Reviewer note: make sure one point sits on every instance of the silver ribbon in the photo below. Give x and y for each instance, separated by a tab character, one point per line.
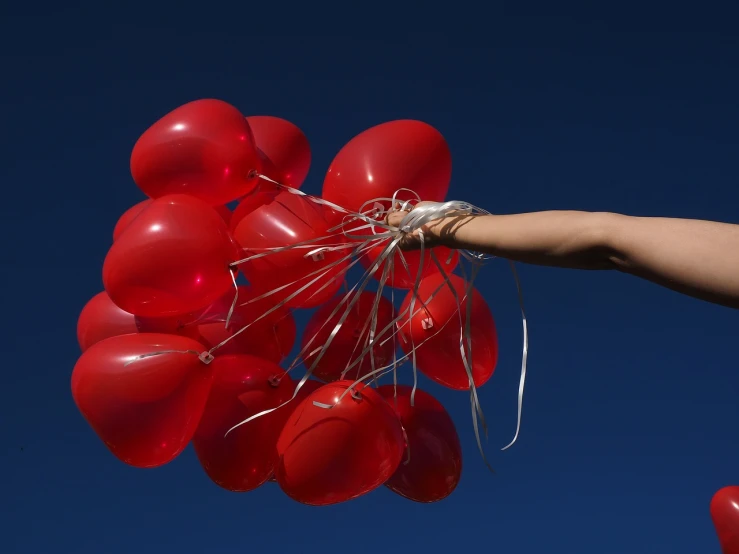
362	231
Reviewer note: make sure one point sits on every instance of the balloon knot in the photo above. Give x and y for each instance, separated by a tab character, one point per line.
206	357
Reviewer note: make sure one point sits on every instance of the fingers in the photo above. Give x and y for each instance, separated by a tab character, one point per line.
409	241
394	218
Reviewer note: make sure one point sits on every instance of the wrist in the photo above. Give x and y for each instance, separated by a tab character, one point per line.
446	231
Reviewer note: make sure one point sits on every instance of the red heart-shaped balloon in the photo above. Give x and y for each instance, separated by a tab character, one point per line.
242	387
277	219
435	465
284	145
204	148
146	409
327	456
434	330
403	154
172	259
725	515
349	343
270	337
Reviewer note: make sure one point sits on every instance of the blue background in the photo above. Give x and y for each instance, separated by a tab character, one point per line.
631	410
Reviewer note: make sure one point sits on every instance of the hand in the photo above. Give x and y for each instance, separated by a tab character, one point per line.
435	233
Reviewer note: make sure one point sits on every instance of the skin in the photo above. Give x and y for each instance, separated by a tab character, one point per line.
693	257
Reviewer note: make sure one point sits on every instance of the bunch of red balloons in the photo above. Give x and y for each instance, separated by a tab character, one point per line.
202	278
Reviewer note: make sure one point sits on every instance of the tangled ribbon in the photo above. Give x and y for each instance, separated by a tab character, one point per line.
368	229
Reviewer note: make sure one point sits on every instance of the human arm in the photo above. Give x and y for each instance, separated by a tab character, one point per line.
694	257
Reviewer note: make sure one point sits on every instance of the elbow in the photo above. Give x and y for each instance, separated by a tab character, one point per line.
611	232
603	230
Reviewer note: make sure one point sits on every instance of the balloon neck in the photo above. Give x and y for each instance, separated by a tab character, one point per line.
206	357
274	381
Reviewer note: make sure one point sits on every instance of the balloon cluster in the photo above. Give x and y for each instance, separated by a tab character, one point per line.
201	281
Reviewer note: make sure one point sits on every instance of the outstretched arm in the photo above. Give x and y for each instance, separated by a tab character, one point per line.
698	258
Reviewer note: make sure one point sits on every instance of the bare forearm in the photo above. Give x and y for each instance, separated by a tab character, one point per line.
699	258
558	238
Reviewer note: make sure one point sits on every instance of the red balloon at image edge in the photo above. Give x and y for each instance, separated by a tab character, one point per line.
145	410
272	337
435	465
725	516
284	145
402	278
403	154
435	331
204	148
327	456
349	342
173	259
275	219
242	387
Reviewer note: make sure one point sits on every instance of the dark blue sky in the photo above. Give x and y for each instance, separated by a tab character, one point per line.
630	419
